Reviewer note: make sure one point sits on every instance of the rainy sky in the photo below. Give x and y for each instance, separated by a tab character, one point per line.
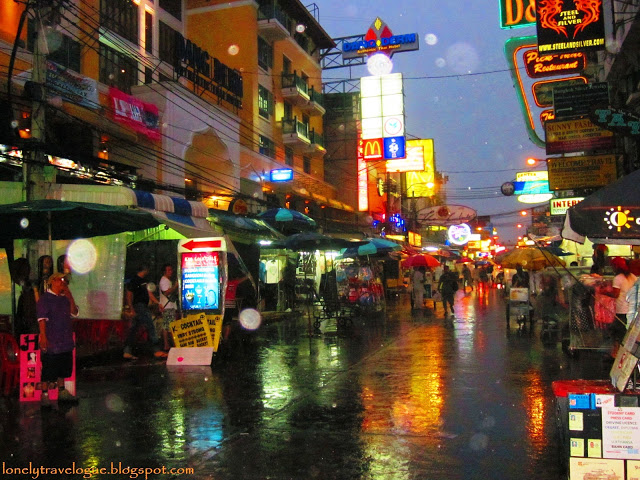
458	91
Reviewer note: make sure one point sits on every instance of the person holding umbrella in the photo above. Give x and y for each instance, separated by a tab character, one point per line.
417	282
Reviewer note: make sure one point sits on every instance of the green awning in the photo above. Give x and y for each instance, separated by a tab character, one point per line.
243	229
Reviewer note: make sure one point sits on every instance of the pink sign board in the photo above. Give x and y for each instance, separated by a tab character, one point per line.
31	372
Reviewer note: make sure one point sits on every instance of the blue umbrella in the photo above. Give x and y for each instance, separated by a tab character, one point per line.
372	247
288	220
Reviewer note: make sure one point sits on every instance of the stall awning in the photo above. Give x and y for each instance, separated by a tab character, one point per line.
243	229
185	217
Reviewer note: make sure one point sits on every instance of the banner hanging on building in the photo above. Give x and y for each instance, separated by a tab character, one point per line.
140	116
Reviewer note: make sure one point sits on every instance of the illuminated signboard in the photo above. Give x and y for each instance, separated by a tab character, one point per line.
617	120
394	148
281	175
543	90
568	26
415	160
535	198
363	198
202	263
530	183
459	234
372	149
382	106
565	136
538	66
415	239
567	173
200	272
420	183
517	13
380	39
559	206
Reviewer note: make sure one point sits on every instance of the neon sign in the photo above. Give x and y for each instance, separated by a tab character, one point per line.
459	234
619	218
554	63
380	39
363	196
281	174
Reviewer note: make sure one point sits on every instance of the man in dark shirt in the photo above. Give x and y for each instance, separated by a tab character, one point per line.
448	287
520	279
138	296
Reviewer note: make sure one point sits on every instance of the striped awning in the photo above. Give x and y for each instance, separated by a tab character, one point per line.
184	216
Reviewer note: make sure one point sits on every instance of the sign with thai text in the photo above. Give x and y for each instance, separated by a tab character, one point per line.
140	116
538	66
568	173
567	26
565	136
380	39
559	206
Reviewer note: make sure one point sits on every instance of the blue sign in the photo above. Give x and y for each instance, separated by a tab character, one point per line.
394	148
531	187
281	175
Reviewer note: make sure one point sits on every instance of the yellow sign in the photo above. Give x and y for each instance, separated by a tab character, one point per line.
535	176
197	330
565	136
568	173
422	183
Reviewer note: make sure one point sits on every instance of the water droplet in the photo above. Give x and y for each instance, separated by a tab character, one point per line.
430	39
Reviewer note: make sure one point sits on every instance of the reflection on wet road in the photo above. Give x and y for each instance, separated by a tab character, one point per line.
404	396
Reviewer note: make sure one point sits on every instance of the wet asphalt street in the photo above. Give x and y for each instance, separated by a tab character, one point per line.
404	396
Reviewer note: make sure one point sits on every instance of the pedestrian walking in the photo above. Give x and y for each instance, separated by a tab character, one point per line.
55	308
448	286
466	278
138	297
168	302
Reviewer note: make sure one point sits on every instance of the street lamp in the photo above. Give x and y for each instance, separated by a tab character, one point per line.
533	161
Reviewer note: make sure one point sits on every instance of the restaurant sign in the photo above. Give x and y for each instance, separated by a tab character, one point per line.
565	136
568	173
553	63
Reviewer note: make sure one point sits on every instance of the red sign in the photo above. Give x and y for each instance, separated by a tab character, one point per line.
553	63
205	243
139	116
547	115
372	149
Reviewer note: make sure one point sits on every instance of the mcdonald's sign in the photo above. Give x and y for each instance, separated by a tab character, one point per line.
373	149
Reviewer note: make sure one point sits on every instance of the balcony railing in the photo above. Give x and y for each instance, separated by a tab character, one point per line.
274	12
293	80
316	139
294	126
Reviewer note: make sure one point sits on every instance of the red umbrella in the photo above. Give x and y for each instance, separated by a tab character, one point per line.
464	260
421	260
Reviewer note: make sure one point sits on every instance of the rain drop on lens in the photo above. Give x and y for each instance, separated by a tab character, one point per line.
233	49
430	39
24	223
